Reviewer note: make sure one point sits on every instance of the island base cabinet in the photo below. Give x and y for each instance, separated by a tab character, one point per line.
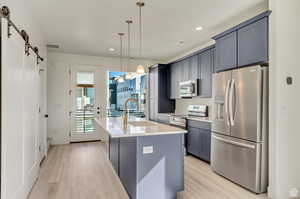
160	173
114	153
127	165
150	166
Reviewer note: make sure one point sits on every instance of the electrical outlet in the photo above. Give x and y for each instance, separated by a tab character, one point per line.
147	149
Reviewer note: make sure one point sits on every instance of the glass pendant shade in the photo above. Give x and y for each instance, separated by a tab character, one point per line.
121	80
140	69
128	76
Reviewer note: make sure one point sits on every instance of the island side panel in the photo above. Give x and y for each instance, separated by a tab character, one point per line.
128	165
160	173
114	149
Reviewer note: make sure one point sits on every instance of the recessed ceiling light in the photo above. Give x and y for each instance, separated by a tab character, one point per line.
111	49
199	28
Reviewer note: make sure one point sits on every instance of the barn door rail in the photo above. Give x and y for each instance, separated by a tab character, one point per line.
5	13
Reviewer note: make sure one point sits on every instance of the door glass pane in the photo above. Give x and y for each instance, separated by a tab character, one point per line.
85	100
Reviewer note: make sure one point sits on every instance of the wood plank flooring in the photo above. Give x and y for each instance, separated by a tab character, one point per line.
83	171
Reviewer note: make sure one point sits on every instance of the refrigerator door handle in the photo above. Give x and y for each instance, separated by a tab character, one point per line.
226	102
231	105
249	146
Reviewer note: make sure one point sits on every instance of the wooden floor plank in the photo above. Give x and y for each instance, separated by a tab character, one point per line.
83	171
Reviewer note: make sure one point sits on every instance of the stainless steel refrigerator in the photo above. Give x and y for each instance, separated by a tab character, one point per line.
239	148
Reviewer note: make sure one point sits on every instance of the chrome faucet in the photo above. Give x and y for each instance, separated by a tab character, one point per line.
125	117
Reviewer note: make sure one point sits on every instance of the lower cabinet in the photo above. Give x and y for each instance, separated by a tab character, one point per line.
199	140
149	166
114	153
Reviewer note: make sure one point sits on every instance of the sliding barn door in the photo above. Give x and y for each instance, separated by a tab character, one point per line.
19	120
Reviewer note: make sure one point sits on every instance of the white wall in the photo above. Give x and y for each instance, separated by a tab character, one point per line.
284	99
59	85
20	95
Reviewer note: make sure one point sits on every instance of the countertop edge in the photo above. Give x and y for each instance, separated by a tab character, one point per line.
183	131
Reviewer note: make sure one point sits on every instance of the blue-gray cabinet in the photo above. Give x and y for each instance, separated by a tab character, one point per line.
175	79
253	43
145	175
114	153
243	45
206	71
199	65
199	139
226	52
127	165
159	91
194	71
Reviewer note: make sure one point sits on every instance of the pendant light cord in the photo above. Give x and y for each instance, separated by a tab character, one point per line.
129	42
140	24
121	51
140	4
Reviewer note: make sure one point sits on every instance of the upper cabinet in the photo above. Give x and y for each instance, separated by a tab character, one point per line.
194	67
226	52
253	43
200	66
159	91
243	45
206	71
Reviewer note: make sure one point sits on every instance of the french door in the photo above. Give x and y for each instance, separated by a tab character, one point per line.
84	105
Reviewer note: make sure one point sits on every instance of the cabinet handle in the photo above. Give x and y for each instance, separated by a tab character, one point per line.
234	143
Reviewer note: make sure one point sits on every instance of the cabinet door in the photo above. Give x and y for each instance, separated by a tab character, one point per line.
128	170
151	109
194	67
253	43
178	78
206	74
226	52
213	56
184	67
193	145
114	153
205	141
152	94
173	81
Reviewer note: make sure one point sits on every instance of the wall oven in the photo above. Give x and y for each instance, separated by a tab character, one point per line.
189	88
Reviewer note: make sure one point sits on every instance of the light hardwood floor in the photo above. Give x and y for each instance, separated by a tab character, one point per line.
83	171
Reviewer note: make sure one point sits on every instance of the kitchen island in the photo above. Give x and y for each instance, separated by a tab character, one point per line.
147	156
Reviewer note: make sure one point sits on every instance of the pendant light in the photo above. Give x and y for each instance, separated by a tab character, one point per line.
128	75
140	68
121	78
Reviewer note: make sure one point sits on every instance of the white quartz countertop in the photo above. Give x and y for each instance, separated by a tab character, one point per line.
136	127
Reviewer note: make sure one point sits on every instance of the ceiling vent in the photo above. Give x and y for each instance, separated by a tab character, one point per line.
53	46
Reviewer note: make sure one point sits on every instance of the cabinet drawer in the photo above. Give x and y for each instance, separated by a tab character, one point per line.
199	124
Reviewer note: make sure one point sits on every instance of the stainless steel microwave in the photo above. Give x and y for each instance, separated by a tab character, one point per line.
188	88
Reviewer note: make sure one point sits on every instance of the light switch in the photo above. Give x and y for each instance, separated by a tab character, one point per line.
147	149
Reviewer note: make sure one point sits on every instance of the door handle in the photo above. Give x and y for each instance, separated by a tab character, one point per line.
232	86
226	102
249	146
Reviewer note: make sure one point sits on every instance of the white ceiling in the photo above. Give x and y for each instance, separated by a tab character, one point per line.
90	26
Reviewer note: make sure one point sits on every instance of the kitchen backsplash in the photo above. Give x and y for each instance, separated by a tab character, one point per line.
182	104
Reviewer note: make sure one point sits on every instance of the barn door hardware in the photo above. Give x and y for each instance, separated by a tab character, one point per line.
26	39
5	13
